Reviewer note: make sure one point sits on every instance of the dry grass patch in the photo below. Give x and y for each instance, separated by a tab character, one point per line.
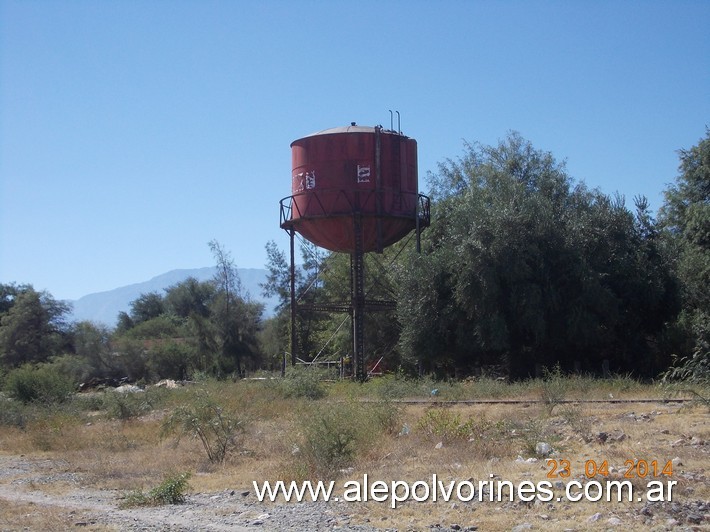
343	438
28	516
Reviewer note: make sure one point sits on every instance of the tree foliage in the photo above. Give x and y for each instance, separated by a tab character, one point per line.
685	216
33	325
524	266
235	316
210	327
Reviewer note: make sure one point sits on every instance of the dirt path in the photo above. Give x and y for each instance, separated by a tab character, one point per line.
40	485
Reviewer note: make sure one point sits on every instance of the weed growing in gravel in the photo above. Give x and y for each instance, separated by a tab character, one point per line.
554	387
580	424
170	491
530	433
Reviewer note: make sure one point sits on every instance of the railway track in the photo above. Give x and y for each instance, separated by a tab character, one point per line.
444	402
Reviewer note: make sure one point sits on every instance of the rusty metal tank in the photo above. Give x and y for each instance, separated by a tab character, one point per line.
353	182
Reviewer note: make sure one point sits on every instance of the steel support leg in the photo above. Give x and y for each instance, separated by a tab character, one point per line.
357	260
294	338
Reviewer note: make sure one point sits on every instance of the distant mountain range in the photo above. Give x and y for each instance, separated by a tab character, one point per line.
103	307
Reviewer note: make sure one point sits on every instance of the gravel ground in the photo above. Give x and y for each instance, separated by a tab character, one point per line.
50	484
23	480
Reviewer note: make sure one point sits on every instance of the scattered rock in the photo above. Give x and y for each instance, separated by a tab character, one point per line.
694	519
166	383
439	445
594	518
128	388
617	435
614	521
521	460
521	527
677	462
543	448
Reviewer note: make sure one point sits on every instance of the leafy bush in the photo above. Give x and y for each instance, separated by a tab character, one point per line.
126	405
12	414
396	387
304	383
334	434
131	358
76	368
696	367
217	429
554	387
123	406
170	360
170	491
529	433
445	424
41	383
163	326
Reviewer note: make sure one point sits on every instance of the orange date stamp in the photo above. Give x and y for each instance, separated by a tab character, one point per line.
633	468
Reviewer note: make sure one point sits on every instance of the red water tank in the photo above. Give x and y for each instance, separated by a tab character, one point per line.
353	177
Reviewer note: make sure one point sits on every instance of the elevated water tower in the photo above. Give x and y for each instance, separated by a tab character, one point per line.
354	190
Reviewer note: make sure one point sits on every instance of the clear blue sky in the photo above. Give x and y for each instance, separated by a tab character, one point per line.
133	132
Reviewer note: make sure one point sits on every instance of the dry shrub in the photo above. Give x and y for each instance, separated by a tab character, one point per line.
333	435
218	429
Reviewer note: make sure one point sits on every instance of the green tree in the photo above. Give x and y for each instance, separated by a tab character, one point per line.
189	298
522	266
92	344
33	328
192	301
146	307
278	278
311	325
685	216
236	318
